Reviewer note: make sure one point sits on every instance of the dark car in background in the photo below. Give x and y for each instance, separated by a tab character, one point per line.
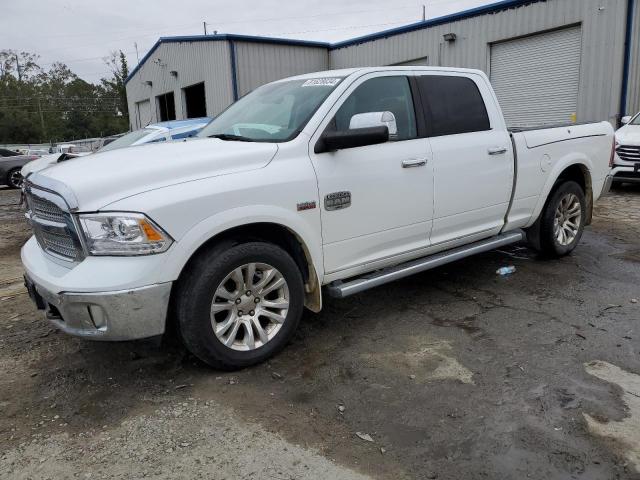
5	152
10	167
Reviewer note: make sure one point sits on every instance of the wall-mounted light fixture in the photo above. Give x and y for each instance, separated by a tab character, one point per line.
174	73
148	83
450	37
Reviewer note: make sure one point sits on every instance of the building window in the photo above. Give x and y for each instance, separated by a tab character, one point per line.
195	101
166	107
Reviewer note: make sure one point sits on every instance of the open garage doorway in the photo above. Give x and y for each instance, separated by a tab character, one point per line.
166	107
194	100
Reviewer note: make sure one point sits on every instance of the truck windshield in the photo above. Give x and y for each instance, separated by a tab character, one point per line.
276	112
635	120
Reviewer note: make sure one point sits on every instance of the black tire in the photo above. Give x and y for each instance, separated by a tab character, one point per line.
549	244
11	175
195	294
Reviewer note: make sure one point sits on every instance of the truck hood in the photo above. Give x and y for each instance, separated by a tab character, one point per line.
41	163
629	135
103	178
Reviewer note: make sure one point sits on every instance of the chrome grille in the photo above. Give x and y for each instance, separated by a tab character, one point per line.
52	224
629	153
60	244
46	210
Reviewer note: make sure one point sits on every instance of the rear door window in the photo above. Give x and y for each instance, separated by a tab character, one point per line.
452	105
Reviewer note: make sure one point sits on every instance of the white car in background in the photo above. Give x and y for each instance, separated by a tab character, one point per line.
36	151
155	133
626	167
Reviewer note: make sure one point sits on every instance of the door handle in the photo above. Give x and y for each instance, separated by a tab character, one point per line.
497	150
414	162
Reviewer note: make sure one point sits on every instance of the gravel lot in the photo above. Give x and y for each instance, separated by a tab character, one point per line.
453	374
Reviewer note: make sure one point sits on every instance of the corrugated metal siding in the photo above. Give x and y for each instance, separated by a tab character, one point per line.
633	95
260	63
195	63
418	62
544	88
601	63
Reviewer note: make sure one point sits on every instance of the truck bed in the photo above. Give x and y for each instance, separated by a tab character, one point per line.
541	154
545	127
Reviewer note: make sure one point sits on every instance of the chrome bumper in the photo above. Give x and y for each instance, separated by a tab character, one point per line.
109	316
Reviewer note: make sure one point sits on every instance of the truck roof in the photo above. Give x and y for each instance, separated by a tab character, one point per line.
363	70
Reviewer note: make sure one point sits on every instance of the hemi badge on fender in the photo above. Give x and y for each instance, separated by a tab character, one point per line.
306	206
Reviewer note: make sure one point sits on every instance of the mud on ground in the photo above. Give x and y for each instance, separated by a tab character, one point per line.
456	374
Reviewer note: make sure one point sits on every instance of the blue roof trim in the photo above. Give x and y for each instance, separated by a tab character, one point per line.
225	37
473	12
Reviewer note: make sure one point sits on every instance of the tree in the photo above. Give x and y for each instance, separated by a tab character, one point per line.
41	106
117	63
22	64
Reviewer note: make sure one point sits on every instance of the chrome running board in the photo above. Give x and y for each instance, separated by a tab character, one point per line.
342	289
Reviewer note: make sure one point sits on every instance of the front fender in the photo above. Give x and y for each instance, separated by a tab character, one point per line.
212	226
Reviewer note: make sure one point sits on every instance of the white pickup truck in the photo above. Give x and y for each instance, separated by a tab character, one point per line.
345	179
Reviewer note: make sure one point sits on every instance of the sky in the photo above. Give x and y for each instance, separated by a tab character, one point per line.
82	33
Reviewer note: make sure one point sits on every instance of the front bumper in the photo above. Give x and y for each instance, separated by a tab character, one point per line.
111	316
626	174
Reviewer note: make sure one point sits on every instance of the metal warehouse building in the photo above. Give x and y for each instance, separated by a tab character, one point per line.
549	61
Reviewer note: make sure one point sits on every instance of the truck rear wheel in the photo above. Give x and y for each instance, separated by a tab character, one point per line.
562	220
238	305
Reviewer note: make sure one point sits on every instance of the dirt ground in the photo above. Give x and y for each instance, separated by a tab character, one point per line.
456	373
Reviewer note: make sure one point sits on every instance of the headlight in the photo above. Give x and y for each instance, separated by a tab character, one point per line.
123	234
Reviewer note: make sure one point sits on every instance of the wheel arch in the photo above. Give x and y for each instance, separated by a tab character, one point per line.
272	232
579	173
575	169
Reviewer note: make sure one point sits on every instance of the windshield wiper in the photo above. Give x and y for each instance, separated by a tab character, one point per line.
231	137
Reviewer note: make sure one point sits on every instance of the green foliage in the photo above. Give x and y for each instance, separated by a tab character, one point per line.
42	106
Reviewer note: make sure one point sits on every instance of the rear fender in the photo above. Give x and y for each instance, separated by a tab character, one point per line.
559	168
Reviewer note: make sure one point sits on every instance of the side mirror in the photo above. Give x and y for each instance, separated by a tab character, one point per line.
375	119
360	137
625	120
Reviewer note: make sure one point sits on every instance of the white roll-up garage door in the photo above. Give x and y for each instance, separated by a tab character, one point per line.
537	78
144	113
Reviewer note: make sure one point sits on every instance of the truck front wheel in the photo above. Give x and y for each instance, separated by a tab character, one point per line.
238	305
563	219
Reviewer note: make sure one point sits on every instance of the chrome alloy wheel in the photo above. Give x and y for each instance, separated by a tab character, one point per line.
568	219
15	178
250	306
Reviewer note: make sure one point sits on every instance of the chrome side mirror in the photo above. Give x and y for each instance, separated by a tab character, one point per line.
375	119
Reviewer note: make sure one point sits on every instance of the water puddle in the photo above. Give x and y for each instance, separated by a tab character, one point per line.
625	434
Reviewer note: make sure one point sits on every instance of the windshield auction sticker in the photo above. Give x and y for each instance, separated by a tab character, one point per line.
321	82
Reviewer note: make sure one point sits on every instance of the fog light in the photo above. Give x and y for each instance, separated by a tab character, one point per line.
98	317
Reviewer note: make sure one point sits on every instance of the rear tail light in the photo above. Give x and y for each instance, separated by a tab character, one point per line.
613	153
